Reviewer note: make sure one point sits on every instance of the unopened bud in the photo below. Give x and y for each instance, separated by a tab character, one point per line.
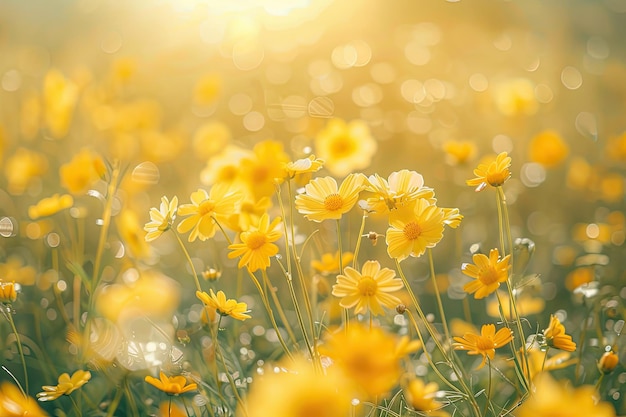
400	308
608	362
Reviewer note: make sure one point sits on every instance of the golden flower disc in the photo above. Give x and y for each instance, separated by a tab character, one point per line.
333	202
412	230
367	286
256	240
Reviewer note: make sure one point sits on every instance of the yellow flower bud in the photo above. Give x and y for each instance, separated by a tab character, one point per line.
608	362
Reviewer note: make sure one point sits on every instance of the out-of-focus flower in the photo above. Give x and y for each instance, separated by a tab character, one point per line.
410	234
612	187
167	409
303	166
256	245
161	146
209	139
172	385
579	174
225	307
225	166
161	220
485	343
608	362
488	273
50	205
22	168
13	403
548	148
83	170
323	200
211	274
345	147
247	213
59	98
459	152
368	357
130	231
555	336
264	169
303	393
14	270
122	70
66	386
494	173
616	147
526	305
403	188
578	277
329	263
422	397
538	362
515	97
207	89
8	294
206	209
551	398
369	289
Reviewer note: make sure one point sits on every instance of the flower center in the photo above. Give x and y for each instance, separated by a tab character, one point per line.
497	178
206	207
367	286
342	147
484	344
412	230
488	276
256	240
333	202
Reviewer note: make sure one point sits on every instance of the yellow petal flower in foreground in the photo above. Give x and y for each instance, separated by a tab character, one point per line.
495	173
345	147
256	245
226	307
422	397
551	398
555	336
402	188
368	357
161	220
485	343
412	233
299	391
205	209
323	199
369	289
488	273
173	385
7	292
50	205
66	386
14	404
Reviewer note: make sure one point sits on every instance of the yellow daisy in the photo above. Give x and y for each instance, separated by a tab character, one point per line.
345	147
411	233
555	336
323	199
173	385
485	343
161	220
50	205
205	209
66	386
264	169
401	189
303	166
256	245
422	397
488	273
495	173
8	294
226	307
368	289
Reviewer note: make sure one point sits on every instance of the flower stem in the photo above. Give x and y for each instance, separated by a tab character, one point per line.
115	403
193	269
9	317
439	303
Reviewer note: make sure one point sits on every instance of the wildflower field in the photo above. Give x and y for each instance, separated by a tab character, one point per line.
312	208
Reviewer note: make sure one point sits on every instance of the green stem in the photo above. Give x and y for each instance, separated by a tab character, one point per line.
115	403
438	296
488	399
18	341
358	241
346	313
279	308
76	409
193	269
231	381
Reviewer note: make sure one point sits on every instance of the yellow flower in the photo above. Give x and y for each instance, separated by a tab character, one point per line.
225	166
256	245
50	205
223	306
303	393
551	398
167	409
368	289
207	89
485	343
459	152
515	96
452	217
526	305
345	147
303	166
329	263
495	173
323	199
173	385
22	168
538	362
66	386
206	209
14	270
130	231
555	336
608	362
264	169
209	139
247	213
59	98
548	149
82	171
616	147
8	294
422	397
368	357
14	404
402	188
488	273
411	233
161	220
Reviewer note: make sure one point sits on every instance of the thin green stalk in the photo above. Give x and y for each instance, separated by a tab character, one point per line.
438	296
488	399
9	317
231	381
346	313
115	403
76	409
193	269
279	308
358	241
